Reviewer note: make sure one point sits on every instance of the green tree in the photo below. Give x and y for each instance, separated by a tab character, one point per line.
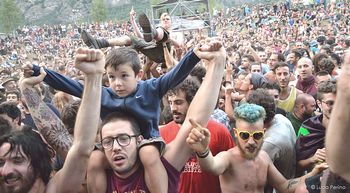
10	15
98	10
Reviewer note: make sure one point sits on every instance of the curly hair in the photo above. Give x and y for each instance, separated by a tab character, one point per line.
316	60
5	126
189	86
11	110
326	64
326	87
33	147
263	98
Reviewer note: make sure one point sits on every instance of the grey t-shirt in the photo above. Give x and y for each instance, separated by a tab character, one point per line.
279	144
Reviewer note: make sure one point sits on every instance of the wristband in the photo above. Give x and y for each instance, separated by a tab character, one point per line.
204	154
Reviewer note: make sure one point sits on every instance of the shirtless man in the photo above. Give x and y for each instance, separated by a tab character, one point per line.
243	168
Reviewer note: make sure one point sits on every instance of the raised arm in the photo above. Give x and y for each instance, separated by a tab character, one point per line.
72	175
49	125
169	59
179	73
133	23
55	80
337	142
202	104
198	140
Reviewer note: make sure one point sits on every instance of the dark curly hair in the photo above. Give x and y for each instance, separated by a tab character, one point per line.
326	87
263	98
11	110
5	126
316	60
33	147
189	86
326	64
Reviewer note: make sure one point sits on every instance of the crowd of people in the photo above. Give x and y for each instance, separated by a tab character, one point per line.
258	102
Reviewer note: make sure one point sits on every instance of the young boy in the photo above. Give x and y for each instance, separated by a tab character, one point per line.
127	93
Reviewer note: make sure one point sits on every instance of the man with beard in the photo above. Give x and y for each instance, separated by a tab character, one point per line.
25	159
193	177
311	136
288	93
292	60
279	138
304	108
243	168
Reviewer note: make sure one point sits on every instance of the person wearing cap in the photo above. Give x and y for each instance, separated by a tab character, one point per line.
4	74
314	47
10	84
252	81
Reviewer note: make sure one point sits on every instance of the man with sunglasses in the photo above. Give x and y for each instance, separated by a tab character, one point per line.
243	168
311	135
280	136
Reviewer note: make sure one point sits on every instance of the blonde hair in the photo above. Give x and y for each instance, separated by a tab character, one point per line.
164	15
61	99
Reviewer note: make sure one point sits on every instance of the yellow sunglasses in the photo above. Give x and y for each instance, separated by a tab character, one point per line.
245	135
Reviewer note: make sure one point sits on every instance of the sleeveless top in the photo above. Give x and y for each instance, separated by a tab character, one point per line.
288	103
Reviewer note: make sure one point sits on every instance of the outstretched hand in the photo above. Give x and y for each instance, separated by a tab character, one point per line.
90	61
32	80
132	14
199	137
320	155
319	168
27	69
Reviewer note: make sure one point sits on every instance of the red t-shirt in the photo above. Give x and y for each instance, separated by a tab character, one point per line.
193	179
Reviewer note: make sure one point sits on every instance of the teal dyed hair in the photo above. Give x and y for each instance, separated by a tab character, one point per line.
250	112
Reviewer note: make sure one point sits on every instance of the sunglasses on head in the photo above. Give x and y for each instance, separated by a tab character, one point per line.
245	135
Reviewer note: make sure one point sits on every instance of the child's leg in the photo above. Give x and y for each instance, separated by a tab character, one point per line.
155	173
96	175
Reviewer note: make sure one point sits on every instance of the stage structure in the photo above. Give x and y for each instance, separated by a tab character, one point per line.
186	15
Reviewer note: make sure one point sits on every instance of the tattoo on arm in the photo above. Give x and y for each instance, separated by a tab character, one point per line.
292	183
49	125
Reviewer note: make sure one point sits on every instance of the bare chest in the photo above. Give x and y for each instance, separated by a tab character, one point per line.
248	176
